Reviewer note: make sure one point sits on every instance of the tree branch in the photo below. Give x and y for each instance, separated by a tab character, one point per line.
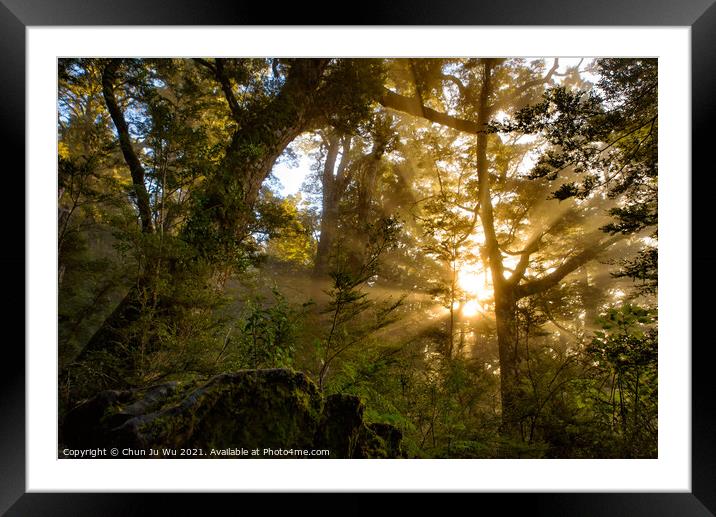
207	64
541	80
217	68
530	247
524	262
457	82
412	106
226	88
542	284
492	246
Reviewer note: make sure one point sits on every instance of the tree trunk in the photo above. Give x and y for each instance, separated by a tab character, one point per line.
329	220
505	298
329	208
130	156
259	142
507	339
109	337
226	210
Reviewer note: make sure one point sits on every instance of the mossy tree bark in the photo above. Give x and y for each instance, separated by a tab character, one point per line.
227	207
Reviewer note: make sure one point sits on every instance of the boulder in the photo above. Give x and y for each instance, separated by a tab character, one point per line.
245	410
344	432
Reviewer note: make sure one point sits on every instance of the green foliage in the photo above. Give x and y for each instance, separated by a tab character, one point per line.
625	351
266	334
290	226
351	315
644	268
179	302
351	86
628	339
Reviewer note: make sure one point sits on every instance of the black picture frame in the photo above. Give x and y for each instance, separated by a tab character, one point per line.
700	15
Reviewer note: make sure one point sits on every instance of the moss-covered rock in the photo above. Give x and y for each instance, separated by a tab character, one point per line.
343	431
341	425
391	437
249	409
92	423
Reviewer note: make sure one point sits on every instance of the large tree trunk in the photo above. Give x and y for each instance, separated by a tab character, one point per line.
262	136
329	221
505	299
511	396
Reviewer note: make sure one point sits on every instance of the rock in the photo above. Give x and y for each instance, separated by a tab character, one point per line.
341	425
344	432
91	422
391	436
249	409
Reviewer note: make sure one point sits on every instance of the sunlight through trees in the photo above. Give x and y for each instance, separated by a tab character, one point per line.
469	245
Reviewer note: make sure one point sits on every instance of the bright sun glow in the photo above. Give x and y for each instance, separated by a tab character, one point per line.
475	283
470	308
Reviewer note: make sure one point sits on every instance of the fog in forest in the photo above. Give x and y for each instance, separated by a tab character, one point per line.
457	254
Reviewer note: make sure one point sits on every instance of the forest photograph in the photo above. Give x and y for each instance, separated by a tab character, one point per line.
357	257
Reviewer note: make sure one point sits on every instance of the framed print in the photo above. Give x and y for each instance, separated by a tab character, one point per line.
424	248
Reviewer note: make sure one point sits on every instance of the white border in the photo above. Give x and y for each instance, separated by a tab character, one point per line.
670	472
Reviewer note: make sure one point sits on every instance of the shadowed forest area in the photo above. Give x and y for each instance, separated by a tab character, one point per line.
460	254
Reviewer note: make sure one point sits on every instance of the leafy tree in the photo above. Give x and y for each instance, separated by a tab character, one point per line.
266	334
625	351
293	237
352	315
508	290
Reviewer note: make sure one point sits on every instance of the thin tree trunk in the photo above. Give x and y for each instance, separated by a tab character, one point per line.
125	143
510	393
110	337
329	208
